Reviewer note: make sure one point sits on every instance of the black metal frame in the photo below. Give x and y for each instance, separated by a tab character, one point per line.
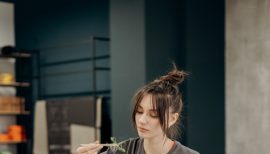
93	58
23	87
92	41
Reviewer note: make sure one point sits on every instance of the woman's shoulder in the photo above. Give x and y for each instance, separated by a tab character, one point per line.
179	148
136	144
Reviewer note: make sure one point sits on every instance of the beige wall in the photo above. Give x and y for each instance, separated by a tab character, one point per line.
247	76
6	24
7	65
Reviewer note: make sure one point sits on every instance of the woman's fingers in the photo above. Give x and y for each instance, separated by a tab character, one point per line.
89	149
89	152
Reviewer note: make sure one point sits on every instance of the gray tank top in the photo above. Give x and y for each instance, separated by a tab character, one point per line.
135	146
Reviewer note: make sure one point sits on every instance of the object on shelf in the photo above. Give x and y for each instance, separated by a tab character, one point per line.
11	104
16	84
15	133
8	50
4	137
6	78
7	91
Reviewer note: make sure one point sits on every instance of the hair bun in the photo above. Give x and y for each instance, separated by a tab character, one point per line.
174	77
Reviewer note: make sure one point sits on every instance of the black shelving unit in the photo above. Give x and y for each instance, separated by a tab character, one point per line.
93	57
23	70
92	42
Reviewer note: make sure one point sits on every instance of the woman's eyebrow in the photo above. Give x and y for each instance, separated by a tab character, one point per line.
151	110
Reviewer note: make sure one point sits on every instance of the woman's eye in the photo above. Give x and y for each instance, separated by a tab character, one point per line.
154	115
139	112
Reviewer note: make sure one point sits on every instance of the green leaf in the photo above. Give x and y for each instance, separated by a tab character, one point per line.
118	147
113	139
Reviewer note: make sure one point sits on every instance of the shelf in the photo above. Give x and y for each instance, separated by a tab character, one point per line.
99	92
16	55
102	68
15	84
73	72
101	38
13	142
14	113
75	61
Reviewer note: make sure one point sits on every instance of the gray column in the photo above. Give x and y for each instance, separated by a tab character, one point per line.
127	61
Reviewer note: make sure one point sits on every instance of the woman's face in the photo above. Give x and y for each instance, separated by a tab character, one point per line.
147	121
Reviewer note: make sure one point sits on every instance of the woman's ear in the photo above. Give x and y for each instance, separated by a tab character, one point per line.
173	118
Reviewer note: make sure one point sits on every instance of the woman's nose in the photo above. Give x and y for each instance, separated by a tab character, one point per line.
143	119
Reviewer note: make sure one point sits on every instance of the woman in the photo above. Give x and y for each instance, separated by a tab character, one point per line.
156	116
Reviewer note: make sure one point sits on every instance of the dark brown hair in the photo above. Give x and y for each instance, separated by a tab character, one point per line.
166	98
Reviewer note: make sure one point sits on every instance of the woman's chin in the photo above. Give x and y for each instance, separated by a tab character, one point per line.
143	135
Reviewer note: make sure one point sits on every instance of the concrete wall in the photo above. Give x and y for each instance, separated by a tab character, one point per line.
247	76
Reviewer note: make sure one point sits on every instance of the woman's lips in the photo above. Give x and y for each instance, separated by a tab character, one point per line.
142	129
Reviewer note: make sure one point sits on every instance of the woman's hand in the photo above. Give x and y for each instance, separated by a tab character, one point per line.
91	148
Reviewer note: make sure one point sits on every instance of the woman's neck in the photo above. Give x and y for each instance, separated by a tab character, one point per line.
157	145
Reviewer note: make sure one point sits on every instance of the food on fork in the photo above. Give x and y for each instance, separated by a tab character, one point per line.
114	145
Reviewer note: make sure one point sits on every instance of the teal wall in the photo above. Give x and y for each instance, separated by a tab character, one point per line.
145	36
165	36
43	24
205	88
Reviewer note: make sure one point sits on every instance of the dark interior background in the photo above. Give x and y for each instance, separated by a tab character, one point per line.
145	36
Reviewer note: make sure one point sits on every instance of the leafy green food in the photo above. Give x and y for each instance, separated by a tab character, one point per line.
117	145
114	145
